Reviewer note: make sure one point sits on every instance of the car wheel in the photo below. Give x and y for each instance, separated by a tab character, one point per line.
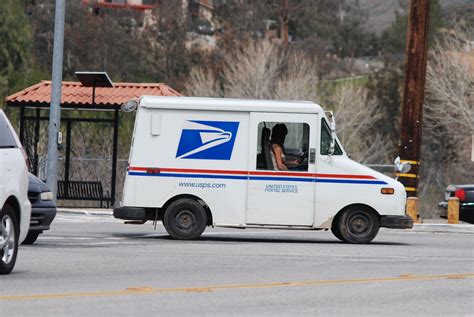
31	237
358	224
9	234
185	219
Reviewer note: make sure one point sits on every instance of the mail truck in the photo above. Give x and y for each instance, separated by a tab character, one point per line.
197	162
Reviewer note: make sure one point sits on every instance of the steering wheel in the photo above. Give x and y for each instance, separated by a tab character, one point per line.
303	156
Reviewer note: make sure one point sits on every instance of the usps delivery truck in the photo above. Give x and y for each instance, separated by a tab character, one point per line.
197	162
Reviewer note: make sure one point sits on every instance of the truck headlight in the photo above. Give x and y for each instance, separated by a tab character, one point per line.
46	196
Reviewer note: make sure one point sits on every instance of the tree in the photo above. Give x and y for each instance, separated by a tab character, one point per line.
393	40
460	12
449	110
385	88
106	40
339	24
15	44
168	57
450	81
239	21
448	116
357	117
262	70
326	29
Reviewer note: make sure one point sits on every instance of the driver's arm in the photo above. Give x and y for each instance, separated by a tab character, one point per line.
278	152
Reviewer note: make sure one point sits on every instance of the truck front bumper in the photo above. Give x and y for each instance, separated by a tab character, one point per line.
130	213
396	222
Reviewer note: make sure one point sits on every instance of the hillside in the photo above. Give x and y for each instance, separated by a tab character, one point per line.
381	12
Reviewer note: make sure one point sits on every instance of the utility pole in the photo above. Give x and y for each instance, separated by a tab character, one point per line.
284	22
55	107
414	92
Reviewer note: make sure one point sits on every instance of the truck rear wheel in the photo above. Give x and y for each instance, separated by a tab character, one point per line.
335	232
9	233
357	224
185	219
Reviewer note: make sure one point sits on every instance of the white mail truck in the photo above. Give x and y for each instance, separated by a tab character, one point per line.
197	162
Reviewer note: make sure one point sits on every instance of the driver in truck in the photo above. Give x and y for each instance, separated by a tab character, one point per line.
277	147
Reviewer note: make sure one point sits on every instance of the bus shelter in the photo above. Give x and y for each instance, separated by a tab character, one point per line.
79	104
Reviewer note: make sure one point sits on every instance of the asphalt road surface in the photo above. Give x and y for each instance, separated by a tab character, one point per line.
97	266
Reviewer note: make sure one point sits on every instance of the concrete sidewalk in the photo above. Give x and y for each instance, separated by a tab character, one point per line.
428	225
443	227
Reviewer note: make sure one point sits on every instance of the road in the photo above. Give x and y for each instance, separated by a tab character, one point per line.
97	266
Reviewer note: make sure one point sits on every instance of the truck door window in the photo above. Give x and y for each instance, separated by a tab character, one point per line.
293	140
326	140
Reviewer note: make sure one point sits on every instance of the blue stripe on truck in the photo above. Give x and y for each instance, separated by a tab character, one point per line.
263	178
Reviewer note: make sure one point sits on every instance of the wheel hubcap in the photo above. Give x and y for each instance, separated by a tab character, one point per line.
185	219
7	239
359	224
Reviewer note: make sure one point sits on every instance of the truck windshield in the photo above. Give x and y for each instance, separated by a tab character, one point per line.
326	140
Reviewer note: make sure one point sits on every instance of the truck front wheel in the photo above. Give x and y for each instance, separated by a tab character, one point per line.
185	219
358	224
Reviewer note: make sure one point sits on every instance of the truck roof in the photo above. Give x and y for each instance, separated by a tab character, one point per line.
228	104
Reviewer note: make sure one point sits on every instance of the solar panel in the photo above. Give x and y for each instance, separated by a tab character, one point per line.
94	79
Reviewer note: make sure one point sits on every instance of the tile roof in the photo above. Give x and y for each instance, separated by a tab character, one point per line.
74	95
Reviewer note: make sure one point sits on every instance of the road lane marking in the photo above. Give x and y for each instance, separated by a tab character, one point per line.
146	290
67	238
81	238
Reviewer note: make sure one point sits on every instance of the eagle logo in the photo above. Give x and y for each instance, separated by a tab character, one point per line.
207	140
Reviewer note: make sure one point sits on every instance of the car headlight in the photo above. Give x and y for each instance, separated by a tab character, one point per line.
46	196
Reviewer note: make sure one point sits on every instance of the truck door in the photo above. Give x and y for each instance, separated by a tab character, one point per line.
281	197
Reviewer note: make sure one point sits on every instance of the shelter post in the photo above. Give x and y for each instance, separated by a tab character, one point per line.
22	126
114	154
37	133
68	153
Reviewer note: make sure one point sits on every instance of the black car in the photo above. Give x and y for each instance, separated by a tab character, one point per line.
465	193
43	209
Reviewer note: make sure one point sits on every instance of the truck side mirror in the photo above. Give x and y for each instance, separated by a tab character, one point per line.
332	146
129	106
401	167
332	126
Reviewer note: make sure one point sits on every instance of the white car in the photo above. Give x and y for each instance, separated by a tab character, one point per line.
15	208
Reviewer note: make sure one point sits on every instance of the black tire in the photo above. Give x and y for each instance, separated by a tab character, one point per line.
335	230
185	219
31	238
358	224
9	234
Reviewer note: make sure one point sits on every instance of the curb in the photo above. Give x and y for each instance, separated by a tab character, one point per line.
417	227
442	227
87	212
